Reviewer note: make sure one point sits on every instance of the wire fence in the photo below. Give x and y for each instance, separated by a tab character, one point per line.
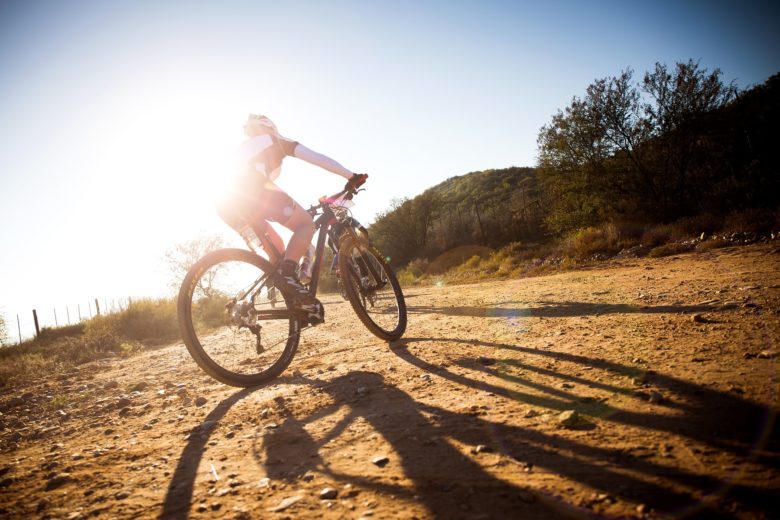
24	325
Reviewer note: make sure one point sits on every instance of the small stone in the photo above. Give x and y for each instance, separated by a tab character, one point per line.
568	419
328	494
486	361
110	385
767	354
200	401
530	414
380	461
699	318
482	449
656	398
284	504
121	495
15	401
123	402
124	411
140	386
230	435
308	476
527	497
57	481
264	482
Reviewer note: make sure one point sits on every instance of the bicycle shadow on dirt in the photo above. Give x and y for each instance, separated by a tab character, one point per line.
708	416
445	481
550	309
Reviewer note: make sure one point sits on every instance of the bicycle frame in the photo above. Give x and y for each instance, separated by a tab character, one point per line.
324	224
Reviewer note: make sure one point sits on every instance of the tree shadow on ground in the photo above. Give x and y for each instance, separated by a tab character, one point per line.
743	428
558	309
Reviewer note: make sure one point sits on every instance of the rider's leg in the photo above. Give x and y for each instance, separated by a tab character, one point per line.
282	209
268	234
302	226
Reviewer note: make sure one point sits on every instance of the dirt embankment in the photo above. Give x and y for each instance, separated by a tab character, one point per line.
646	388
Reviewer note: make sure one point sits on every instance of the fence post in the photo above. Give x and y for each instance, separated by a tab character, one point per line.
19	328
55	318
35	319
97	307
67	311
78	308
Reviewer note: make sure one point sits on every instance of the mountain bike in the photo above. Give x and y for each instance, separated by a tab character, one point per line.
242	331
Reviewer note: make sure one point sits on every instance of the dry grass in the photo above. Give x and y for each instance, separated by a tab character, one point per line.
119	334
474	263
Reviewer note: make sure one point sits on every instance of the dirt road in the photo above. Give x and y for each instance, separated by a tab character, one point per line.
643	388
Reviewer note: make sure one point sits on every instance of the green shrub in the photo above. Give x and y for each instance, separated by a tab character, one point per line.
760	221
657	235
714	243
62	332
672	248
586	242
211	312
418	267
696	225
148	319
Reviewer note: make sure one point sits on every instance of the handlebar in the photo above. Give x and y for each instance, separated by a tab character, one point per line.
346	194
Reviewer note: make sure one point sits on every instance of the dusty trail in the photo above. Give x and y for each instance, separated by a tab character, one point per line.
645	388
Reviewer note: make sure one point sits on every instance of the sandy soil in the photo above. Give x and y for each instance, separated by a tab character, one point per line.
641	388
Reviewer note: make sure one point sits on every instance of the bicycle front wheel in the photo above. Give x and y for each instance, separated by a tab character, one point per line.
372	288
237	327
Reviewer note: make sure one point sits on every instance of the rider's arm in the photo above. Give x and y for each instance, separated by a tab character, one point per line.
317	159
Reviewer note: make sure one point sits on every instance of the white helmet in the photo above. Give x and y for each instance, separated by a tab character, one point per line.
263	121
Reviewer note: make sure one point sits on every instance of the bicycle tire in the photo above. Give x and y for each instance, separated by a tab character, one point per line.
225	336
381	320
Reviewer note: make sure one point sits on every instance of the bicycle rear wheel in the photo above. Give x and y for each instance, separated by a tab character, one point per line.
372	288
236	326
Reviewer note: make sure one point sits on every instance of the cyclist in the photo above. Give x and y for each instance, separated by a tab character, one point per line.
253	199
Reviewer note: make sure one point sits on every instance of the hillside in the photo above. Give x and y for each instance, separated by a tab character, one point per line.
490	208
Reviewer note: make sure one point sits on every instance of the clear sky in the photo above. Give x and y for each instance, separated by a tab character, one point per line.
118	119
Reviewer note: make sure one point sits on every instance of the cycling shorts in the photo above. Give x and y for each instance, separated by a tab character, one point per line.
255	207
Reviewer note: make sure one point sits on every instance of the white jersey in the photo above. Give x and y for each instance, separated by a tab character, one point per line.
263	154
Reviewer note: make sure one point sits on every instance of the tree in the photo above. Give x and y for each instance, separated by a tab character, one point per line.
183	255
679	102
628	152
